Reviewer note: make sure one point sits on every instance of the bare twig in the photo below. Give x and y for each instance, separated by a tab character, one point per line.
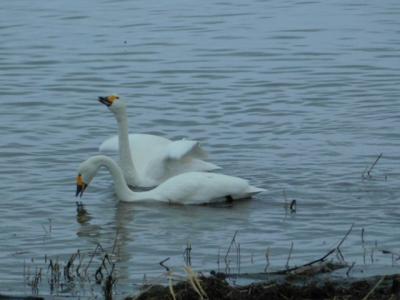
238	257
349	269
68	266
372	255
99	274
164	266
187	254
80	263
339	255
362	235
115	241
233	242
345	236
267	254
364	255
98	246
218	259
290	254
110	280
368	171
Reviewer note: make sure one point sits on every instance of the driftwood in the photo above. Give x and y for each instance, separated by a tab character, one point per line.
320	265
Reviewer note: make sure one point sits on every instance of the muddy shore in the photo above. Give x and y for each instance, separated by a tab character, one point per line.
217	287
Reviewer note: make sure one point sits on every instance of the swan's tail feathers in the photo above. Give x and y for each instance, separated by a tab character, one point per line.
109	145
255	190
182	149
203	166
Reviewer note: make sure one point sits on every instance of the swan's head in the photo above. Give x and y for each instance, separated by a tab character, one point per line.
113	103
86	172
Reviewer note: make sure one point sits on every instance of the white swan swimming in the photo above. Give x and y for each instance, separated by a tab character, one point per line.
153	159
187	188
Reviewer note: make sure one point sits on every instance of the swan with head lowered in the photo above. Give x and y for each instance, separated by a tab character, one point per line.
187	188
147	160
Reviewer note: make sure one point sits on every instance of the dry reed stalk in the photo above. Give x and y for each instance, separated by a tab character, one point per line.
267	254
195	283
170	286
349	269
290	254
374	288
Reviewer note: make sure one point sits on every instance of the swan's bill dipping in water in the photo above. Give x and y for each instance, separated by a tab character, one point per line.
147	160
188	188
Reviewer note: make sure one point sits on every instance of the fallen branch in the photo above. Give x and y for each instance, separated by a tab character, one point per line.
308	266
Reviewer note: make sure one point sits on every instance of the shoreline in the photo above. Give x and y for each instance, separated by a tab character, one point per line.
291	287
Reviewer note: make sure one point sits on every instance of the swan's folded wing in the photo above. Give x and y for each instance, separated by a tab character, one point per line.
109	145
176	150
182	149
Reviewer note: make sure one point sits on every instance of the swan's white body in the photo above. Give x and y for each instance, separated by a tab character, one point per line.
147	160
187	188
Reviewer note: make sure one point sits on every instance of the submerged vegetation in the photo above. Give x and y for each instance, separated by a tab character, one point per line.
95	272
79	272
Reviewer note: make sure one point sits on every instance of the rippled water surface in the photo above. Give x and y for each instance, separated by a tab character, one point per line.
296	96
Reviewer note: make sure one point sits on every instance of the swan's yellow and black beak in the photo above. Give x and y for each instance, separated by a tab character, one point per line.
80	186
109	100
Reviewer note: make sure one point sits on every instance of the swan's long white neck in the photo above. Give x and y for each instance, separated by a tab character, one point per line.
128	168
121	188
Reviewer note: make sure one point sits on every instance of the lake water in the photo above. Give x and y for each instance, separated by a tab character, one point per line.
295	96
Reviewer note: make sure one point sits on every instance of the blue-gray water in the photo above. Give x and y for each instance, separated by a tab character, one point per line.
296	96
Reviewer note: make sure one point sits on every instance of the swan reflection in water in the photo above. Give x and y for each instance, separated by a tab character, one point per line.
144	234
112	237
